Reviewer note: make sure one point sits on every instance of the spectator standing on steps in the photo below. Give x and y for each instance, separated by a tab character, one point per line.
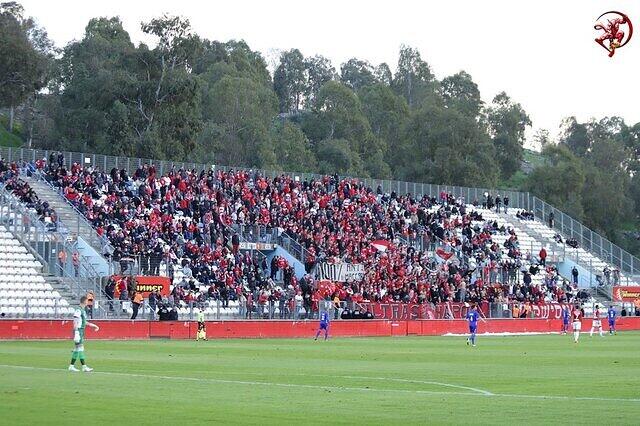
505	201
137	302
551	220
75	259
574	275
110	291
154	298
89	306
607	275
235	243
62	261
543	256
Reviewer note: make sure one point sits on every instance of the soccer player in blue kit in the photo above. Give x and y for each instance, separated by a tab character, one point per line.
324	325
611	316
472	318
565	319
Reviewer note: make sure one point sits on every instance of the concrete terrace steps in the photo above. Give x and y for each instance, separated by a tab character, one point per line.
545	235
60	286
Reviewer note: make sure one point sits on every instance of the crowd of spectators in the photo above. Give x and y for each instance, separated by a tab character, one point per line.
184	220
10	173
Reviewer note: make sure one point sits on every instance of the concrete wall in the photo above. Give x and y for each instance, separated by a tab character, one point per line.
98	262
297	265
585	278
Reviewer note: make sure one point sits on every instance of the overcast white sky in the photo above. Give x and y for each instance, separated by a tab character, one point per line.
540	52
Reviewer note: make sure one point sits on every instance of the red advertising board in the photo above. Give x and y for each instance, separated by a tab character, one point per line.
627	294
397	311
410	311
147	284
117	329
457	310
549	310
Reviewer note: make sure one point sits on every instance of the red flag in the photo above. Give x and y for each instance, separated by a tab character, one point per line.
446	255
381	245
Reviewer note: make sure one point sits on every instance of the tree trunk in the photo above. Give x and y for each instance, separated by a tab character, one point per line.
11	114
30	135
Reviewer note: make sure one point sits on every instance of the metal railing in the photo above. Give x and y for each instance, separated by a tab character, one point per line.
586	238
77	277
262	234
618	257
82	226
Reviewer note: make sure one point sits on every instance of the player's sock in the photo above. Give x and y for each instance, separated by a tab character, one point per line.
576	335
591	332
601	333
326	334
473	339
317	334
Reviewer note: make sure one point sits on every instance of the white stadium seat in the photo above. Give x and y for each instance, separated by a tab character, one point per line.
23	287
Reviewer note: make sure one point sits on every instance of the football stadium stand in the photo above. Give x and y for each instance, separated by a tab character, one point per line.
236	242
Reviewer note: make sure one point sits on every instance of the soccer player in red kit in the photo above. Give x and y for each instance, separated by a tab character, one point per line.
576	316
597	323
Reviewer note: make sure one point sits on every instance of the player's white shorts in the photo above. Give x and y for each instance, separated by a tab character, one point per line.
596	323
577	325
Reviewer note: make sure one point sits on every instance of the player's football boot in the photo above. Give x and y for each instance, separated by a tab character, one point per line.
87	369
73	368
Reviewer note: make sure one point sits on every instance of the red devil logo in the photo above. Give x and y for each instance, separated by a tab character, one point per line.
612	32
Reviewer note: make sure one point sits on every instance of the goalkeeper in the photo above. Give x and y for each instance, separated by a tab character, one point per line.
79	324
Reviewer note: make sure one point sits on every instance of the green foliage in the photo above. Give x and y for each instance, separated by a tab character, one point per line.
240	115
560	181
357	74
25	51
319	72
413	79
575	136
9	139
460	92
386	112
340	113
336	156
289	81
507	122
292	148
595	189
443	145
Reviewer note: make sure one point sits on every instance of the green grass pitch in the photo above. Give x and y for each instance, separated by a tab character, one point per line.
409	380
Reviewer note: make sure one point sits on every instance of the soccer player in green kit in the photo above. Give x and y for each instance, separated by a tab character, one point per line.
79	324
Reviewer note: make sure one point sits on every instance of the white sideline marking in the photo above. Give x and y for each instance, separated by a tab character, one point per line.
476	392
391	379
447	385
503	334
